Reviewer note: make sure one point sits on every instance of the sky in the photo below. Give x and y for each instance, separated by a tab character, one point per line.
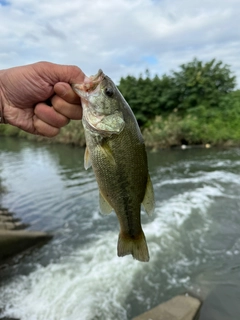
122	37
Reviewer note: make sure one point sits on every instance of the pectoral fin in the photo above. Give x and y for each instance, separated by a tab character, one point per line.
105	207
149	201
106	150
87	159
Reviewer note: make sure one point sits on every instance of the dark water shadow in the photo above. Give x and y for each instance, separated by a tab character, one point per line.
223	303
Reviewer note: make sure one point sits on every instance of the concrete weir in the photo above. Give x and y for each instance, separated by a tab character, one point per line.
14	238
181	307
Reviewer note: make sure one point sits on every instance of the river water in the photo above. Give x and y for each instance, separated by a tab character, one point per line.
193	237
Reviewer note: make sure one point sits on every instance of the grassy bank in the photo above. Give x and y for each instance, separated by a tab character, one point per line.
71	134
201	125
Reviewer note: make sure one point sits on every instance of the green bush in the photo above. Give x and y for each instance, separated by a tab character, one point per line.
200	125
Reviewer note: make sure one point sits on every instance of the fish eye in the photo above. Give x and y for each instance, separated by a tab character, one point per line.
108	91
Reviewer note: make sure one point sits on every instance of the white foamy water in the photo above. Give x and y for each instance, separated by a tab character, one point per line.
92	282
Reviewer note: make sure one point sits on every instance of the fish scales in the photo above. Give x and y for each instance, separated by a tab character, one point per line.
116	151
125	181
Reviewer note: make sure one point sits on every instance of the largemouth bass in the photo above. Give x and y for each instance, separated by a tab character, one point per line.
115	149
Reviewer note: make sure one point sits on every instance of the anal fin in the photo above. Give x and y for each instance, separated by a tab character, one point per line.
105	207
149	201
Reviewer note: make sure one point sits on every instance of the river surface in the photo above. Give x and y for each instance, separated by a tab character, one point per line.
193	237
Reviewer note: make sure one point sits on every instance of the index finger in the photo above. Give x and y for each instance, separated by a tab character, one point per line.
65	91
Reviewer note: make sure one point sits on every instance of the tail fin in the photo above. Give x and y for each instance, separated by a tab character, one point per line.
136	246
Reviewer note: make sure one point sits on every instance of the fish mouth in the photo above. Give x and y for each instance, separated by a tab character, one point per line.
97	76
89	85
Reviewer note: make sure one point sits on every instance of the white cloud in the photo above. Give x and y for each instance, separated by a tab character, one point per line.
118	35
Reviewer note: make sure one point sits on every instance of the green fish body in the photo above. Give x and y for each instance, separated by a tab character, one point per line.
116	151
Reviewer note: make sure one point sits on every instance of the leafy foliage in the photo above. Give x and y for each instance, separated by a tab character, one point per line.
143	94
200	83
195	84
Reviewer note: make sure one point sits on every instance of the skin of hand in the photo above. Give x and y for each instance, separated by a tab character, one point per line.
25	89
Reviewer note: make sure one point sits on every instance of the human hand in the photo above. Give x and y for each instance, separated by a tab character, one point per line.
24	91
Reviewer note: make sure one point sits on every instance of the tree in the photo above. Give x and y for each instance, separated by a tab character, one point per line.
199	83
143	95
195	84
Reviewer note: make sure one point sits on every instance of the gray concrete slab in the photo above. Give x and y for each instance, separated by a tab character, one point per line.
222	303
178	308
9	218
10	225
16	241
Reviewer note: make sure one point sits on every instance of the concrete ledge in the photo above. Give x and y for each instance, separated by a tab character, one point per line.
178	308
8	218
13	242
7	318
5	212
13	239
10	225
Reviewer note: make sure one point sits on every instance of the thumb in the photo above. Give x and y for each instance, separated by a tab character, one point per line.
65	91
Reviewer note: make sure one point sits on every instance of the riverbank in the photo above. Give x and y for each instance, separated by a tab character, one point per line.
73	134
174	130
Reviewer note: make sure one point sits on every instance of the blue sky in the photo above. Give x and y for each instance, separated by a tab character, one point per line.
4	3
120	36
